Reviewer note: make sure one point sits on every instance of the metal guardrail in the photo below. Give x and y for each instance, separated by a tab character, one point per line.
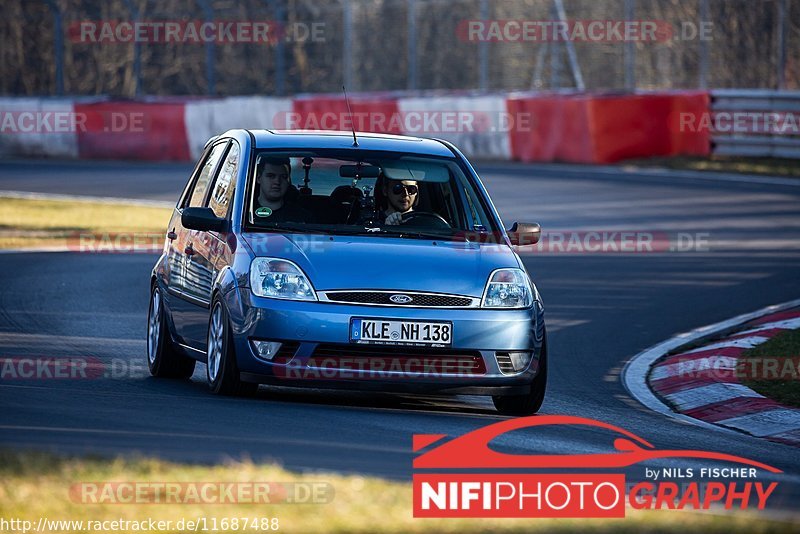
755	123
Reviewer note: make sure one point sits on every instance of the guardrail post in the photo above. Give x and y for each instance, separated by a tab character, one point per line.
137	51
629	52
411	17
783	9
58	45
347	44
211	82
280	48
483	51
555	55
702	82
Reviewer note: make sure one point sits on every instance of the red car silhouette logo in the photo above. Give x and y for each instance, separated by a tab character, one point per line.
472	451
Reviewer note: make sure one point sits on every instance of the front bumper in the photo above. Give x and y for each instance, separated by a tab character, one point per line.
311	327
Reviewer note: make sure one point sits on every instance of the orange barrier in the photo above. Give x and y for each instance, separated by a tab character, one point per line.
558	129
644	126
132	130
606	129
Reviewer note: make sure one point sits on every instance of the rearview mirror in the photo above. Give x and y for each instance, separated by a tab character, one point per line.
359	171
522	234
203	220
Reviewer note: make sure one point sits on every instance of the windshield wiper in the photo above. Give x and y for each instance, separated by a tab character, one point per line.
416	234
398	231
311	228
293	227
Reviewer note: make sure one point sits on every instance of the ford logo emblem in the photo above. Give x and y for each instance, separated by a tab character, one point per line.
400	299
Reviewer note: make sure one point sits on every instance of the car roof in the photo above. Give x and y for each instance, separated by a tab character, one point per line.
321	139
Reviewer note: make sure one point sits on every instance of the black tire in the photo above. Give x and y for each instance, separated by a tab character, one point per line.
163	360
226	373
529	404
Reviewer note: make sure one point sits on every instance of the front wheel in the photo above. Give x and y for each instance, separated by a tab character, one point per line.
530	403
162	358
222	372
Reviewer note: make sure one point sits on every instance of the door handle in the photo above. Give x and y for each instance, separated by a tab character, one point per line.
189	251
171	235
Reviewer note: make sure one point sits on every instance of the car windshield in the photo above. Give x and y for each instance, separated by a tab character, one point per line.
363	192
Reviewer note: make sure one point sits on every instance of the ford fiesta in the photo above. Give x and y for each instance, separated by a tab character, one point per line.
328	259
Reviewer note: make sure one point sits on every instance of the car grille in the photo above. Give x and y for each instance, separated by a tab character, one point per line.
381	298
504	362
405	360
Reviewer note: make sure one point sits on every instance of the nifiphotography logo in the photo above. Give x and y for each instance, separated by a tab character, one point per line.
466	477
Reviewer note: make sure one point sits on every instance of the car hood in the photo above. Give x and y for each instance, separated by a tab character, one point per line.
387	263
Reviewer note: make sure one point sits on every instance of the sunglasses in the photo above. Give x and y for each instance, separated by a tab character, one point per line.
410	190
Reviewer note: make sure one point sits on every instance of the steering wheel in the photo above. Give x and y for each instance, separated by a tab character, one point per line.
425	218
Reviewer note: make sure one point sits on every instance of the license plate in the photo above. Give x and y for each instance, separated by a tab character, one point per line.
398	332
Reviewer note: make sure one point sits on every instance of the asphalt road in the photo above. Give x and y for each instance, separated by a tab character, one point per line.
143	181
601	310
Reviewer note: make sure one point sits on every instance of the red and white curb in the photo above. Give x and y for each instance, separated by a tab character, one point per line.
688	386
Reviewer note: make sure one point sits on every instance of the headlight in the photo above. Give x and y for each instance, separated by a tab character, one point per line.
279	279
508	288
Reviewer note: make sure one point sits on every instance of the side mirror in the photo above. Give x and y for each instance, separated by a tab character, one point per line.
203	220
522	234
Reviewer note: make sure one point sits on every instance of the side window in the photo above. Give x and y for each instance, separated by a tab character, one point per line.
225	183
201	184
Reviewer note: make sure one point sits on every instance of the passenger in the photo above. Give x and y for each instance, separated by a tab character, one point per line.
273	204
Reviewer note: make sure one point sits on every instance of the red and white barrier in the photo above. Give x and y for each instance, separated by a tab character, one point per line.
204	119
152	131
522	127
478	125
37	127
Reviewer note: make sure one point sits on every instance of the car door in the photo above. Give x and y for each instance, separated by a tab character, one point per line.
203	248
187	270
174	265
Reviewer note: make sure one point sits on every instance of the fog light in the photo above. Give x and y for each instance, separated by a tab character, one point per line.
266	349
520	360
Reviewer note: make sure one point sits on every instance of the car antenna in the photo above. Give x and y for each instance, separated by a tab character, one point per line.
350	113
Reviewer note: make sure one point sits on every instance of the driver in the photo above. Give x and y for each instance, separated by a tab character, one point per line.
401	197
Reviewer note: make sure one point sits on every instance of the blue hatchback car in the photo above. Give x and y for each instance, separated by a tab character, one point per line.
333	259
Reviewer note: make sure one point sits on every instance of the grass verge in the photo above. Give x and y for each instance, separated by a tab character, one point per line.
26	223
730	164
34	485
780	354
